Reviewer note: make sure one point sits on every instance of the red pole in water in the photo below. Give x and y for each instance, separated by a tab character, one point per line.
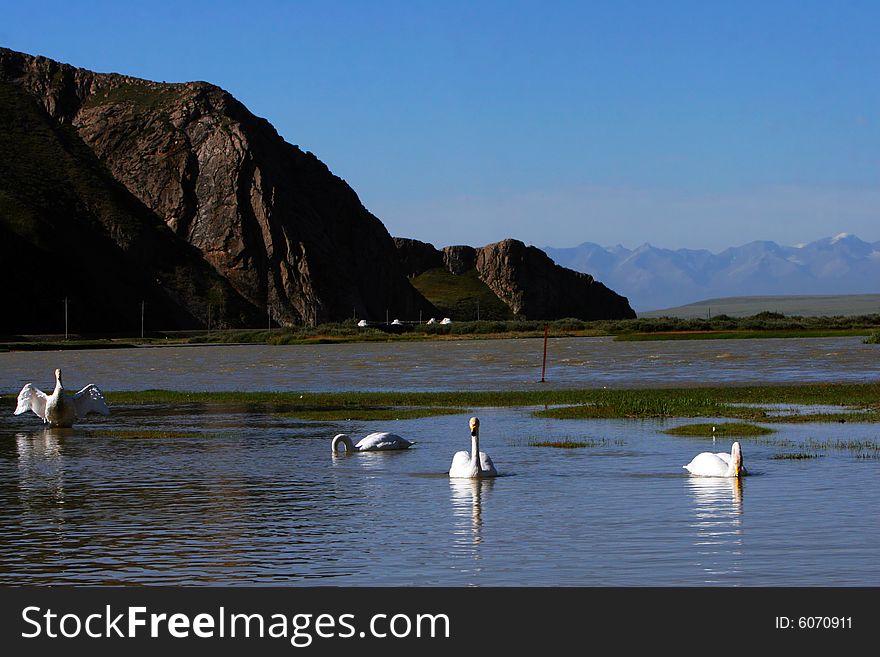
544	365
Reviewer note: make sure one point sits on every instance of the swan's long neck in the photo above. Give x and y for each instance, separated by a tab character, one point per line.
342	439
736	461
58	386
475	450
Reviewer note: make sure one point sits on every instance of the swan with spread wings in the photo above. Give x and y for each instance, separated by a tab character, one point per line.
60	409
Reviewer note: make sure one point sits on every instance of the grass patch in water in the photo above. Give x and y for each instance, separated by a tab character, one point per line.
861	448
144	433
719	402
775	442
723	429
566	444
561	404
647	404
575	444
651	404
869	446
862	415
369	413
796	456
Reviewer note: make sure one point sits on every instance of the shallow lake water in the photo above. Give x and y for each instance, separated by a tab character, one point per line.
236	496
450	365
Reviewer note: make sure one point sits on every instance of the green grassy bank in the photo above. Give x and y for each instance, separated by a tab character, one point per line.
862	398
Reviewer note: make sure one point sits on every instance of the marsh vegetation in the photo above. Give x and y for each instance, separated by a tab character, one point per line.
860	401
492	326
722	429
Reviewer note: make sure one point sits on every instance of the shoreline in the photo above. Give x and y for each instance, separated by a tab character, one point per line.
284	337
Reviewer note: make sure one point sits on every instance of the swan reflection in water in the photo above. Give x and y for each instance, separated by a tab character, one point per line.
41	467
467	499
718	509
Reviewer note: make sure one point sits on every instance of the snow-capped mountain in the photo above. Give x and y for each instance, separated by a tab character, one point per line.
655	278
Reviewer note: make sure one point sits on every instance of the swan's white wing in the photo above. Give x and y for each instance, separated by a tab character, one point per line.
33	399
707	464
393	442
724	456
90	400
461	462
382	440
486	463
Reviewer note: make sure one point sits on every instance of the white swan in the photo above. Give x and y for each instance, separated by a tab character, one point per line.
721	464
374	442
475	464
60	409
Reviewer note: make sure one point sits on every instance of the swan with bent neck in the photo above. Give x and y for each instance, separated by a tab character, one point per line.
60	409
374	442
720	464
475	465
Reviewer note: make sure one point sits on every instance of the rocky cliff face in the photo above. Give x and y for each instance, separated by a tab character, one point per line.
459	259
529	283
416	257
533	286
69	230
270	218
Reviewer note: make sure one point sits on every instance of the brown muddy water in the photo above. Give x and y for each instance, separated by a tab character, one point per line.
464	365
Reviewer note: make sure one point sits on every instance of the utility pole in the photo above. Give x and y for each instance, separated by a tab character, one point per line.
544	363
478	310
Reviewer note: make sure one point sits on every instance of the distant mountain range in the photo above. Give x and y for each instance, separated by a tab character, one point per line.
652	278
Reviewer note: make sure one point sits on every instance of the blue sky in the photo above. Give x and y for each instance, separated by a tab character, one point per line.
684	124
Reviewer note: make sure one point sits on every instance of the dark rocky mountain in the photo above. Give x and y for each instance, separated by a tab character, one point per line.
69	230
270	219
417	257
529	283
459	259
